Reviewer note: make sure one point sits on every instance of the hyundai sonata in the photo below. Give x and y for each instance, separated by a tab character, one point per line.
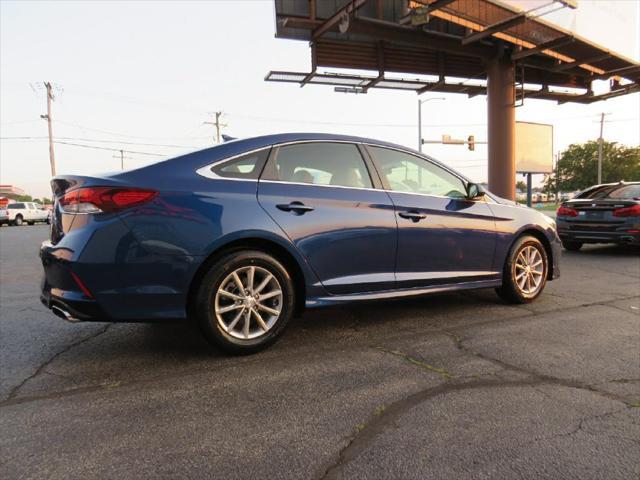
242	236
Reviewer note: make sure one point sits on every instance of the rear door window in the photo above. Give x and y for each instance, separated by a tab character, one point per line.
319	163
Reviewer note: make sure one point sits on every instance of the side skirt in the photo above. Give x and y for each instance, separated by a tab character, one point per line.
315	302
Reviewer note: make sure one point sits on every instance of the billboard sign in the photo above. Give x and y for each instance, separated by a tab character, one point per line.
534	147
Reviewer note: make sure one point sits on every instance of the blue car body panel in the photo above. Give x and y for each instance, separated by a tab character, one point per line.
349	239
141	264
456	240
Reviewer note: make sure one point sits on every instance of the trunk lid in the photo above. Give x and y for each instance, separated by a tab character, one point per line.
596	214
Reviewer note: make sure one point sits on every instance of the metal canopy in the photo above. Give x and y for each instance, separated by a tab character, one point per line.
451	41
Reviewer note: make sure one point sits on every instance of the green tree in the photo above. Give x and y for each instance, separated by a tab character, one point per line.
520	185
24	198
577	167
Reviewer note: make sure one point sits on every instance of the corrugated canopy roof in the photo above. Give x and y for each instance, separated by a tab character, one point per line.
450	40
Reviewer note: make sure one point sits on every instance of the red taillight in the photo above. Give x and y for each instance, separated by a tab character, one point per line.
633	211
103	199
566	212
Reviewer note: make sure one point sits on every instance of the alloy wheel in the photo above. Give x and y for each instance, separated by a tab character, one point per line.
529	270
248	302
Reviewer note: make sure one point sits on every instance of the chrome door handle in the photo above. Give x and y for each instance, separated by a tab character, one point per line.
297	208
413	215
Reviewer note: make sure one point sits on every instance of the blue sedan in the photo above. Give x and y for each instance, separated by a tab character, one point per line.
245	235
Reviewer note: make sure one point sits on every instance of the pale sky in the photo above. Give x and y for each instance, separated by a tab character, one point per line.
144	76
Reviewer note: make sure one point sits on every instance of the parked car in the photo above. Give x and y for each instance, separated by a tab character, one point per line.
4	216
608	213
27	212
242	236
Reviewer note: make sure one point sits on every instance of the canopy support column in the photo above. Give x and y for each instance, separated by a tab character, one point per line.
501	126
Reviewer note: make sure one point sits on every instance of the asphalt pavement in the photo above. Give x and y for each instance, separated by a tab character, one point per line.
455	386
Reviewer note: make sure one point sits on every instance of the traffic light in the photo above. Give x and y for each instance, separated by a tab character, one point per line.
471	142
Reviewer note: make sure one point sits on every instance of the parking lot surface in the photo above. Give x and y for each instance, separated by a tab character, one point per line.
448	386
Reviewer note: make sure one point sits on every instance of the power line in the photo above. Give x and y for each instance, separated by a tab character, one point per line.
96	140
20	122
124	135
95	147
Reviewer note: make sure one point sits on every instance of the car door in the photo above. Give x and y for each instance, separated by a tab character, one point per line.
27	213
443	237
31	211
323	196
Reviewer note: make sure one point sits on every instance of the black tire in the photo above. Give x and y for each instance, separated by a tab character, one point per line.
204	302
571	246
31	223
18	221
510	291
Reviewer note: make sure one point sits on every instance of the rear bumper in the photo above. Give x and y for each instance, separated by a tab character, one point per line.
136	288
70	305
620	237
621	231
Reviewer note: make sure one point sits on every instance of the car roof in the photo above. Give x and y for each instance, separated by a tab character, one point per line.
207	156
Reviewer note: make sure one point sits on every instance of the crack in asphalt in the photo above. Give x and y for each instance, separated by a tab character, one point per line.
543	378
578	428
420	363
377	423
11	400
535	313
15	390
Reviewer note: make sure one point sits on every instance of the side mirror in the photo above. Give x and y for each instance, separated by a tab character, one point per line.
474	191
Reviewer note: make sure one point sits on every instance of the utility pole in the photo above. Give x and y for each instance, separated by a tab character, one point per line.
218	125
47	117
600	142
121	156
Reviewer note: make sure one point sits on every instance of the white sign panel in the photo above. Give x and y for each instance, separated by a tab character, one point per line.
534	148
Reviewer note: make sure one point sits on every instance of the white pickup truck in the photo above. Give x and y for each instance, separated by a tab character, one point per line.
25	212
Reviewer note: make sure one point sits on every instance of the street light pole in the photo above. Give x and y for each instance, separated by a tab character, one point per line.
600	142
420	102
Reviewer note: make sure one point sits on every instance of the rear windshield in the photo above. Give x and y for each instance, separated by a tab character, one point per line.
618	192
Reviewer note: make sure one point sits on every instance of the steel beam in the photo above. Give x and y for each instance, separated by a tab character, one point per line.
566	66
618	72
392	32
495	28
334	19
558	42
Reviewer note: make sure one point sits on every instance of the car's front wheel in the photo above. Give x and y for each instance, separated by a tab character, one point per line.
525	271
245	301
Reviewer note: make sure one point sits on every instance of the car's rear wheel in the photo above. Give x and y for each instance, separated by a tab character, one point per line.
245	301
525	271
571	246
18	221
